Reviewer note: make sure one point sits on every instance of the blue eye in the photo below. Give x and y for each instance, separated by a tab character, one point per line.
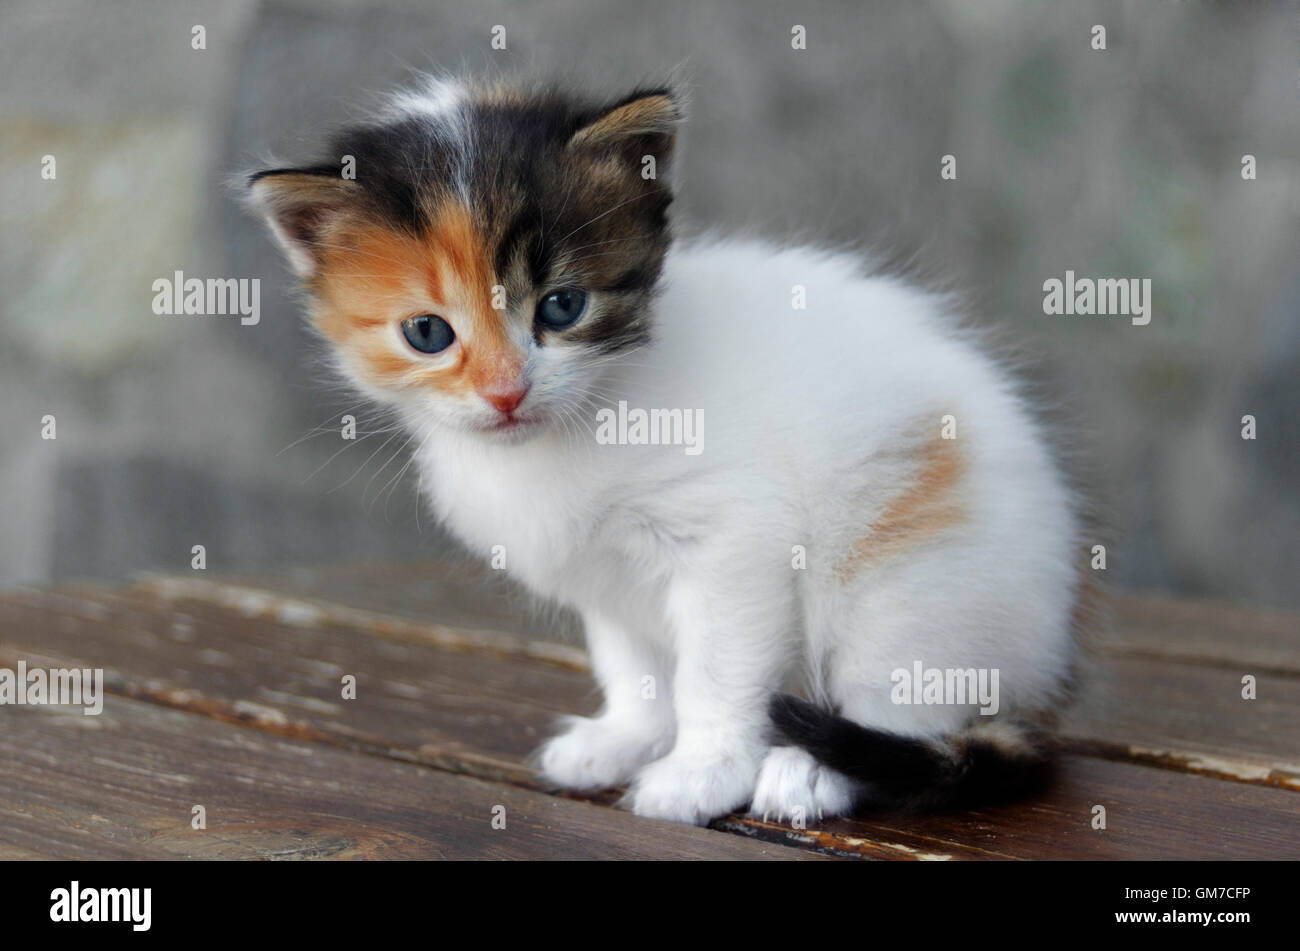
560	309
428	334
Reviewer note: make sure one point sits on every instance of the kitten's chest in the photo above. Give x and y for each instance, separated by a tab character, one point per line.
564	527
526	518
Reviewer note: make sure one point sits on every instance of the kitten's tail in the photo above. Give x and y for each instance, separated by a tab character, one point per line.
987	763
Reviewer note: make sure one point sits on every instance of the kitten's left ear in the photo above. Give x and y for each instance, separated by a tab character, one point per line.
299	206
644	123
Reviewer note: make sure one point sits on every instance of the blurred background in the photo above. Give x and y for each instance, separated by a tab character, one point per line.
1123	162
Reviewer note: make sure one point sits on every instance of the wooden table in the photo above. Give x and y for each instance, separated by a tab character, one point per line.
227	694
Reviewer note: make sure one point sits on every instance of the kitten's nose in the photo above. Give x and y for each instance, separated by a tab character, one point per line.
506	399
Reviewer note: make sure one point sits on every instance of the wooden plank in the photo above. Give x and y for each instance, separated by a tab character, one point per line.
1204	632
454	592
454	709
467	593
1150	814
284	670
1172	714
1146	703
1191	717
123	785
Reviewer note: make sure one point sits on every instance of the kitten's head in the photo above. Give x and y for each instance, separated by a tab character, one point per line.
494	247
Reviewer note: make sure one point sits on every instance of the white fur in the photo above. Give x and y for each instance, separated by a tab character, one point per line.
793	785
682	564
439	103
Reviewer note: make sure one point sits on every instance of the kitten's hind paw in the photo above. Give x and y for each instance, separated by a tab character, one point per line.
794	786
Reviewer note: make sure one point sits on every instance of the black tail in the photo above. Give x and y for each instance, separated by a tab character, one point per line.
900	770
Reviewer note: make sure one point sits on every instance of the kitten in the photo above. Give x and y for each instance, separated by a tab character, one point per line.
870	497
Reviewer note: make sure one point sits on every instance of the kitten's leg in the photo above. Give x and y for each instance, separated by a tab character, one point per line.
634	727
732	644
792	786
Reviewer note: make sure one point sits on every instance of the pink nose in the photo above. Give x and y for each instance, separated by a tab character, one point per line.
506	400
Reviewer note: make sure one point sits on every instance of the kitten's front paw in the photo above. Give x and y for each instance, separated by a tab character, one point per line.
693	788
596	753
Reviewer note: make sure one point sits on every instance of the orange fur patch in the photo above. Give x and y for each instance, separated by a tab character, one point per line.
924	510
372	278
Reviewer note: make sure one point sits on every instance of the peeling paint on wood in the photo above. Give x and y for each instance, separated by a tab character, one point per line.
253	603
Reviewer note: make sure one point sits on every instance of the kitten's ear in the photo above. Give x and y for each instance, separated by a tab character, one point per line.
644	123
298	206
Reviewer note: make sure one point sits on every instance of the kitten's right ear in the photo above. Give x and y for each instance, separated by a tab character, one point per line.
299	206
641	124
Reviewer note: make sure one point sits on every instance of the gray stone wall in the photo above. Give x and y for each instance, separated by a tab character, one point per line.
1123	162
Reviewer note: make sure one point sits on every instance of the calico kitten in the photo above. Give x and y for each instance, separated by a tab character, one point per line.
870	496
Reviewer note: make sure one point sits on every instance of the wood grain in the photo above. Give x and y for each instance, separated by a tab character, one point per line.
1170	713
1204	632
123	785
1150	814
467	593
275	663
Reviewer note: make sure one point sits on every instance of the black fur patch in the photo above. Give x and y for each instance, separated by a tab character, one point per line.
551	215
905	771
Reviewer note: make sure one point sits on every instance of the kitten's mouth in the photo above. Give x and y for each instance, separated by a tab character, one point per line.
512	424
